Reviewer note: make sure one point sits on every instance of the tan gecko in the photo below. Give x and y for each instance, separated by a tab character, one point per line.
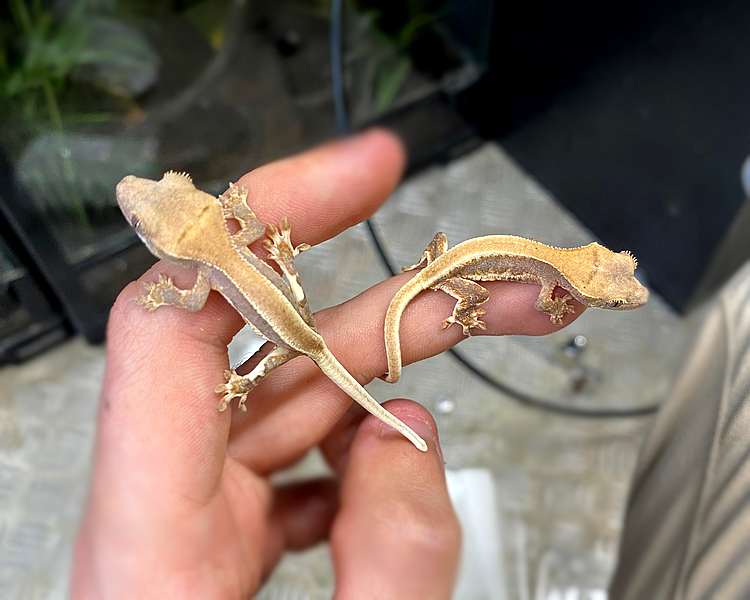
592	274
181	224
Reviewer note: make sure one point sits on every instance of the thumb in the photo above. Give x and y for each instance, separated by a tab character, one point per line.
396	534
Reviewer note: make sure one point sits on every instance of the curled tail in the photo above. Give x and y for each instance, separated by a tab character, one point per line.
393	323
335	371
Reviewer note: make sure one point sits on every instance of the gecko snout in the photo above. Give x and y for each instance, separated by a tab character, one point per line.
127	197
125	181
121	191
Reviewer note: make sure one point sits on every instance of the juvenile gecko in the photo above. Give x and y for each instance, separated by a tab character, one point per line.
592	274
181	224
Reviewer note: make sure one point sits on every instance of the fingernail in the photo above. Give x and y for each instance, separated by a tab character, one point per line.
420	425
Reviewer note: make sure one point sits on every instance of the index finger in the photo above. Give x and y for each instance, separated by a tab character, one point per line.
329	189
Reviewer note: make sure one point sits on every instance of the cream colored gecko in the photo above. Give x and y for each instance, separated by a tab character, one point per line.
181	224
591	274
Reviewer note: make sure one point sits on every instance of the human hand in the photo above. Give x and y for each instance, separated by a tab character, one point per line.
181	501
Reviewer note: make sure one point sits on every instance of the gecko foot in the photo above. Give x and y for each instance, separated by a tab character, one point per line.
234	206
160	293
557	308
469	295
235	386
165	293
279	243
282	252
467	319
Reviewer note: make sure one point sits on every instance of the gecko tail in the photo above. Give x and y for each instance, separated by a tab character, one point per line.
335	371
392	327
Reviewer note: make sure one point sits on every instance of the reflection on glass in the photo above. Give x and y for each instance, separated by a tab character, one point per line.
69	74
92	90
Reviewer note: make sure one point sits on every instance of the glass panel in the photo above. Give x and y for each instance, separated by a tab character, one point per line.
91	90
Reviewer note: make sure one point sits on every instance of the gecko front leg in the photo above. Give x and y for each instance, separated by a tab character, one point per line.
234	206
238	386
282	252
165	293
556	308
470	296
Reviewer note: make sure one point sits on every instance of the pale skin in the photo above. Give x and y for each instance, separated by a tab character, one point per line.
181	502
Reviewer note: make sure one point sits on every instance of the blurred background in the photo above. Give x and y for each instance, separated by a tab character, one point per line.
564	122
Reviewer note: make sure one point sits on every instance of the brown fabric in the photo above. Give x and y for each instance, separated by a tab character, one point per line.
687	528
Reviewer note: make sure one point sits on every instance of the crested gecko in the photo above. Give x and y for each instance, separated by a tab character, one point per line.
184	225
592	274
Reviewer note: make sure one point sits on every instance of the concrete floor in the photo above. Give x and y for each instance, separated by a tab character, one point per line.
558	484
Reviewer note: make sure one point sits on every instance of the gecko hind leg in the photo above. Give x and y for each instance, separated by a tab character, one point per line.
282	252
238	386
470	296
435	248
234	206
556	308
165	293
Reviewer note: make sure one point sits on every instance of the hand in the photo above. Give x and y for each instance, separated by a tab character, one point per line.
181	502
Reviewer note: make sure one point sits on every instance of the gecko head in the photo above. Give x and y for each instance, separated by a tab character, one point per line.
611	283
161	211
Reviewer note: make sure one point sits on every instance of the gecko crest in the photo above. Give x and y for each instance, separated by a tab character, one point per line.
632	257
177	174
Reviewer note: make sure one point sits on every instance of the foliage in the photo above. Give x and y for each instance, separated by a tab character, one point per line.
42	50
62	65
396	26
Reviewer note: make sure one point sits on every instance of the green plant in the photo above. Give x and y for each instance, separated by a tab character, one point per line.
58	67
395	28
37	55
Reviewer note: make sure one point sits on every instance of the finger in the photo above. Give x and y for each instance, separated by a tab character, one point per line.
163	366
158	400
299	398
330	188
301	516
396	534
